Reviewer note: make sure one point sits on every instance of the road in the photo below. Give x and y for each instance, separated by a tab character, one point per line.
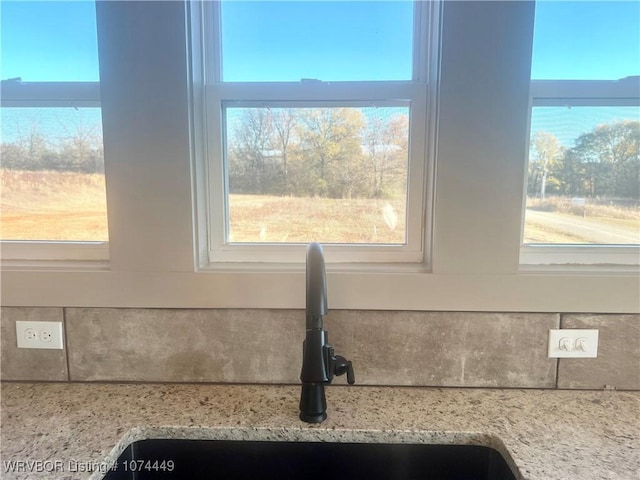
575	229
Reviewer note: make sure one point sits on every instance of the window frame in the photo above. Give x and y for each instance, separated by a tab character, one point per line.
16	93
217	94
583	93
151	86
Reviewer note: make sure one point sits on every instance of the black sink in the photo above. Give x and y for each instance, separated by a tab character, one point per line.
253	460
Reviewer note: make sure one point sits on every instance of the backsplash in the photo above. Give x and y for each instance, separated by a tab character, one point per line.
451	349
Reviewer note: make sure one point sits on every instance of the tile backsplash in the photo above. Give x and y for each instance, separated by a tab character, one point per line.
29	364
618	362
456	349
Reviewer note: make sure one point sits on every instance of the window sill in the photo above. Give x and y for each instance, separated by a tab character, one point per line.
53	251
266	288
54	265
593	259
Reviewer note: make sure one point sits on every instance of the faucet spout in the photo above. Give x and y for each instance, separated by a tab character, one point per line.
316	286
319	363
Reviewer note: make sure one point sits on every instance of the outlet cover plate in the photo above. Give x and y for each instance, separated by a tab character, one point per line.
573	343
44	335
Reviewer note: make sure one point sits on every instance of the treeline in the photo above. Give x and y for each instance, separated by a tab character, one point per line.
342	153
81	152
604	162
325	152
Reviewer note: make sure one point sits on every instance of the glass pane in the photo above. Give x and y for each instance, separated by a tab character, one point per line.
49	41
584	176
332	175
52	174
586	40
329	41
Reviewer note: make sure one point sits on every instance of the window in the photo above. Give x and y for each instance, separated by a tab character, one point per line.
333	175
583	184
169	189
52	173
318	129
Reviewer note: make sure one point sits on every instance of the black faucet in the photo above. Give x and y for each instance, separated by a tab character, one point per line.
319	363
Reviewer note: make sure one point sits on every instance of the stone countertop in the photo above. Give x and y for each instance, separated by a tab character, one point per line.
544	434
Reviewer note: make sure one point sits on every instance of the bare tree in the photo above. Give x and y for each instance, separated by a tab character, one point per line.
284	121
545	150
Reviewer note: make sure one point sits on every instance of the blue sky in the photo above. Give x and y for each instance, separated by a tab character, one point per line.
284	40
56	41
321	40
48	41
592	40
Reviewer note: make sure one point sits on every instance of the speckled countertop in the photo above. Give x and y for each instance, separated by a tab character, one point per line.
544	434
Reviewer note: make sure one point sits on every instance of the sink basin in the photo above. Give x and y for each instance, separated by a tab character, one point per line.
250	460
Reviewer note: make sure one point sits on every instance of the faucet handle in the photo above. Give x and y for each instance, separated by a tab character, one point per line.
342	366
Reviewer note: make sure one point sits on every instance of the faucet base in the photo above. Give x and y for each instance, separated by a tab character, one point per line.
313	419
313	404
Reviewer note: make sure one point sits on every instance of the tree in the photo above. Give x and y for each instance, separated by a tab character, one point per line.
386	147
328	152
328	157
250	146
284	121
610	155
545	152
570	174
82	151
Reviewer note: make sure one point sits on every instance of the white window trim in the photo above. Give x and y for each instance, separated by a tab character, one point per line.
608	257
50	94
58	95
589	90
582	93
218	94
53	250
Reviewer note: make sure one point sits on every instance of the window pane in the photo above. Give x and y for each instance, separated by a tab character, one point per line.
329	41
49	41
584	176
52	174
333	175
586	40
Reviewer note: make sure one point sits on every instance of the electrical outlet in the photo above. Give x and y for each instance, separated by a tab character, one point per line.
39	335
573	343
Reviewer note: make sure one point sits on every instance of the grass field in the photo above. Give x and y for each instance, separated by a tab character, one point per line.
52	206
72	206
592	208
255	218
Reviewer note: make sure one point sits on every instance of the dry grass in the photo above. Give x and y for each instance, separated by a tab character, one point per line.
593	208
72	206
48	205
259	218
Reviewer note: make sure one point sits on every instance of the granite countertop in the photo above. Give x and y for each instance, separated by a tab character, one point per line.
544	434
